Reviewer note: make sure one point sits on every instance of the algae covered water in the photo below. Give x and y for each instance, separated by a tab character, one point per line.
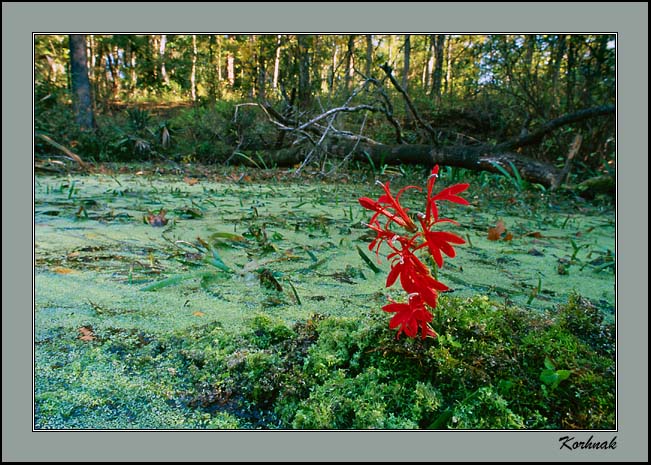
123	260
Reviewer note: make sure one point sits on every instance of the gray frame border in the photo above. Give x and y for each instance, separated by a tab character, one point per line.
20	20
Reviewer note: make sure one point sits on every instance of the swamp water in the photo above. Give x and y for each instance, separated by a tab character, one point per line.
230	251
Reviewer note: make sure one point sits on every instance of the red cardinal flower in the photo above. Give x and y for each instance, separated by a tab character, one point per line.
415	278
398	215
410	316
440	241
449	194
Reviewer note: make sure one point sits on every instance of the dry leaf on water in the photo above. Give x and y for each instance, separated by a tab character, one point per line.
495	233
190	181
62	270
158	219
86	333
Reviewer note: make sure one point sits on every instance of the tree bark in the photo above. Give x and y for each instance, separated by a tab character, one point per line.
439	42
276	64
555	68
350	63
262	70
406	63
82	101
369	55
304	88
193	72
161	51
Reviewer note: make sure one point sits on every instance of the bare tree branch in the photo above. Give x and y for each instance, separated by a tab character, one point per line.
337	110
387	69
551	125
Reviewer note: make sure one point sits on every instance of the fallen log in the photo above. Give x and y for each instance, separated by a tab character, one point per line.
529	169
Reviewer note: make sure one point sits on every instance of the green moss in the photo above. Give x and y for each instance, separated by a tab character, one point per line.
485	409
365	401
484	371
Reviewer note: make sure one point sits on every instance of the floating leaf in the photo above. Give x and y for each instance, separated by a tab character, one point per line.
197	313
190	181
62	270
158	219
367	260
177	279
495	233
268	280
225	239
535	252
189	213
535	234
86	333
298	300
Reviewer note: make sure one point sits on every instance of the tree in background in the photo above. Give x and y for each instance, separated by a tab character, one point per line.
82	102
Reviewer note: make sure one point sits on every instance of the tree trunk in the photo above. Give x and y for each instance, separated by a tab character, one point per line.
161	51
304	90
571	73
333	68
91	57
315	64
448	67
262	69
487	157
116	72
415	154
82	101
555	69
193	72
350	63
439	42
369	55
130	60
220	76
406	63
230	69
405	76
427	81
276	64
212	87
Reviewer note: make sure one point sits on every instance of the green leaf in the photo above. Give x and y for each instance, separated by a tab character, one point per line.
176	279
548	364
367	260
563	374
549	377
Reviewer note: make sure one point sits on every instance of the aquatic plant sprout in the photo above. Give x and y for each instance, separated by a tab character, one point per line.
416	279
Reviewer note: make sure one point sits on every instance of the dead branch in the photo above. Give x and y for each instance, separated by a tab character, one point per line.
65	150
389	72
563	176
337	110
551	125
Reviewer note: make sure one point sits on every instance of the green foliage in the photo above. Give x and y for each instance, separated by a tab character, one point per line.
492	367
485	409
553	377
489	88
